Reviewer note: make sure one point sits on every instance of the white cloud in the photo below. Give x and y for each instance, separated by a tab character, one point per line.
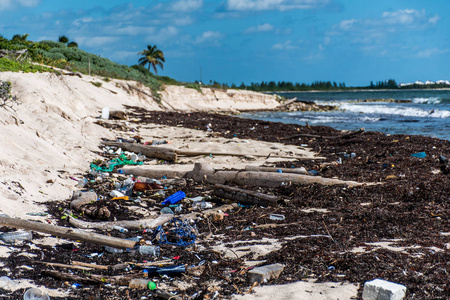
427	53
186	5
165	34
376	35
10	4
282	5
96	41
284	46
209	37
260	28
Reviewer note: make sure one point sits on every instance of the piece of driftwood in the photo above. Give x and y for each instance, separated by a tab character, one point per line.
132	224
342	136
244	196
65	266
149	151
68	233
87	265
71	277
204	173
209	212
165	295
172	154
273	169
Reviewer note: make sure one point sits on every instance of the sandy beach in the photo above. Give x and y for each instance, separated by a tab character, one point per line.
333	239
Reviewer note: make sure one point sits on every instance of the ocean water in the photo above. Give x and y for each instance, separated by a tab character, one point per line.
419	112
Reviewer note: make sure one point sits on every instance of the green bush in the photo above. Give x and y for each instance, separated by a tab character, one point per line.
14	66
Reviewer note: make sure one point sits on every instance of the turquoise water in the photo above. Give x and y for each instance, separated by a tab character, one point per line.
427	112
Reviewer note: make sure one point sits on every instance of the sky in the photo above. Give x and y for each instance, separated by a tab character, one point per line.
234	41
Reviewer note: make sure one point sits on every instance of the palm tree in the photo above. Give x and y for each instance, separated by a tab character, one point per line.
63	39
153	57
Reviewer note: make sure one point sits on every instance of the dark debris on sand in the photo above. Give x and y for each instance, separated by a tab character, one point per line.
409	208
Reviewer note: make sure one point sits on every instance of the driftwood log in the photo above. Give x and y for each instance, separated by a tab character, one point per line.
202	172
272	169
68	233
209	212
138	224
149	151
172	154
244	196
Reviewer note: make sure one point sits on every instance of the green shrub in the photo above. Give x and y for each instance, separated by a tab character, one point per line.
194	86
97	84
15	66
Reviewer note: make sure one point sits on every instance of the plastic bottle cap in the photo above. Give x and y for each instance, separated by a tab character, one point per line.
151	285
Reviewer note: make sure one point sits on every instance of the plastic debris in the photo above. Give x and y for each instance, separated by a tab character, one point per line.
419	155
169	271
35	294
174	198
13	236
7	283
277	217
120	161
182	235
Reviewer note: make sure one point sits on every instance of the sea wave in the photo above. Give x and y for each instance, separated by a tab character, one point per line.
318	119
430	100
393	110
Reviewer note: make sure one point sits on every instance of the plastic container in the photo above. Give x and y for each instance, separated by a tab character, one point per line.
113	250
35	294
11	237
277	217
169	271
148	250
105	113
119	228
167	211
142	284
174	198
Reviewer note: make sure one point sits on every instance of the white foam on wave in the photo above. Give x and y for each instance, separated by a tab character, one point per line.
331	119
392	110
430	100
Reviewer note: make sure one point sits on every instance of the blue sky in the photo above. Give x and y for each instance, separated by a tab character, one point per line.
234	41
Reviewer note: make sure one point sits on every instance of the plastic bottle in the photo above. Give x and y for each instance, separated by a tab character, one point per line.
278	217
174	198
113	250
148	250
142	284
169	271
119	228
11	237
105	113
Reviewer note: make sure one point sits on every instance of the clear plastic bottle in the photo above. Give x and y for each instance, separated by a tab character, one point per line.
148	250
11	237
141	284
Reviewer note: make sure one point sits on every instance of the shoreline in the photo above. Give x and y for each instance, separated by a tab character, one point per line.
52	136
